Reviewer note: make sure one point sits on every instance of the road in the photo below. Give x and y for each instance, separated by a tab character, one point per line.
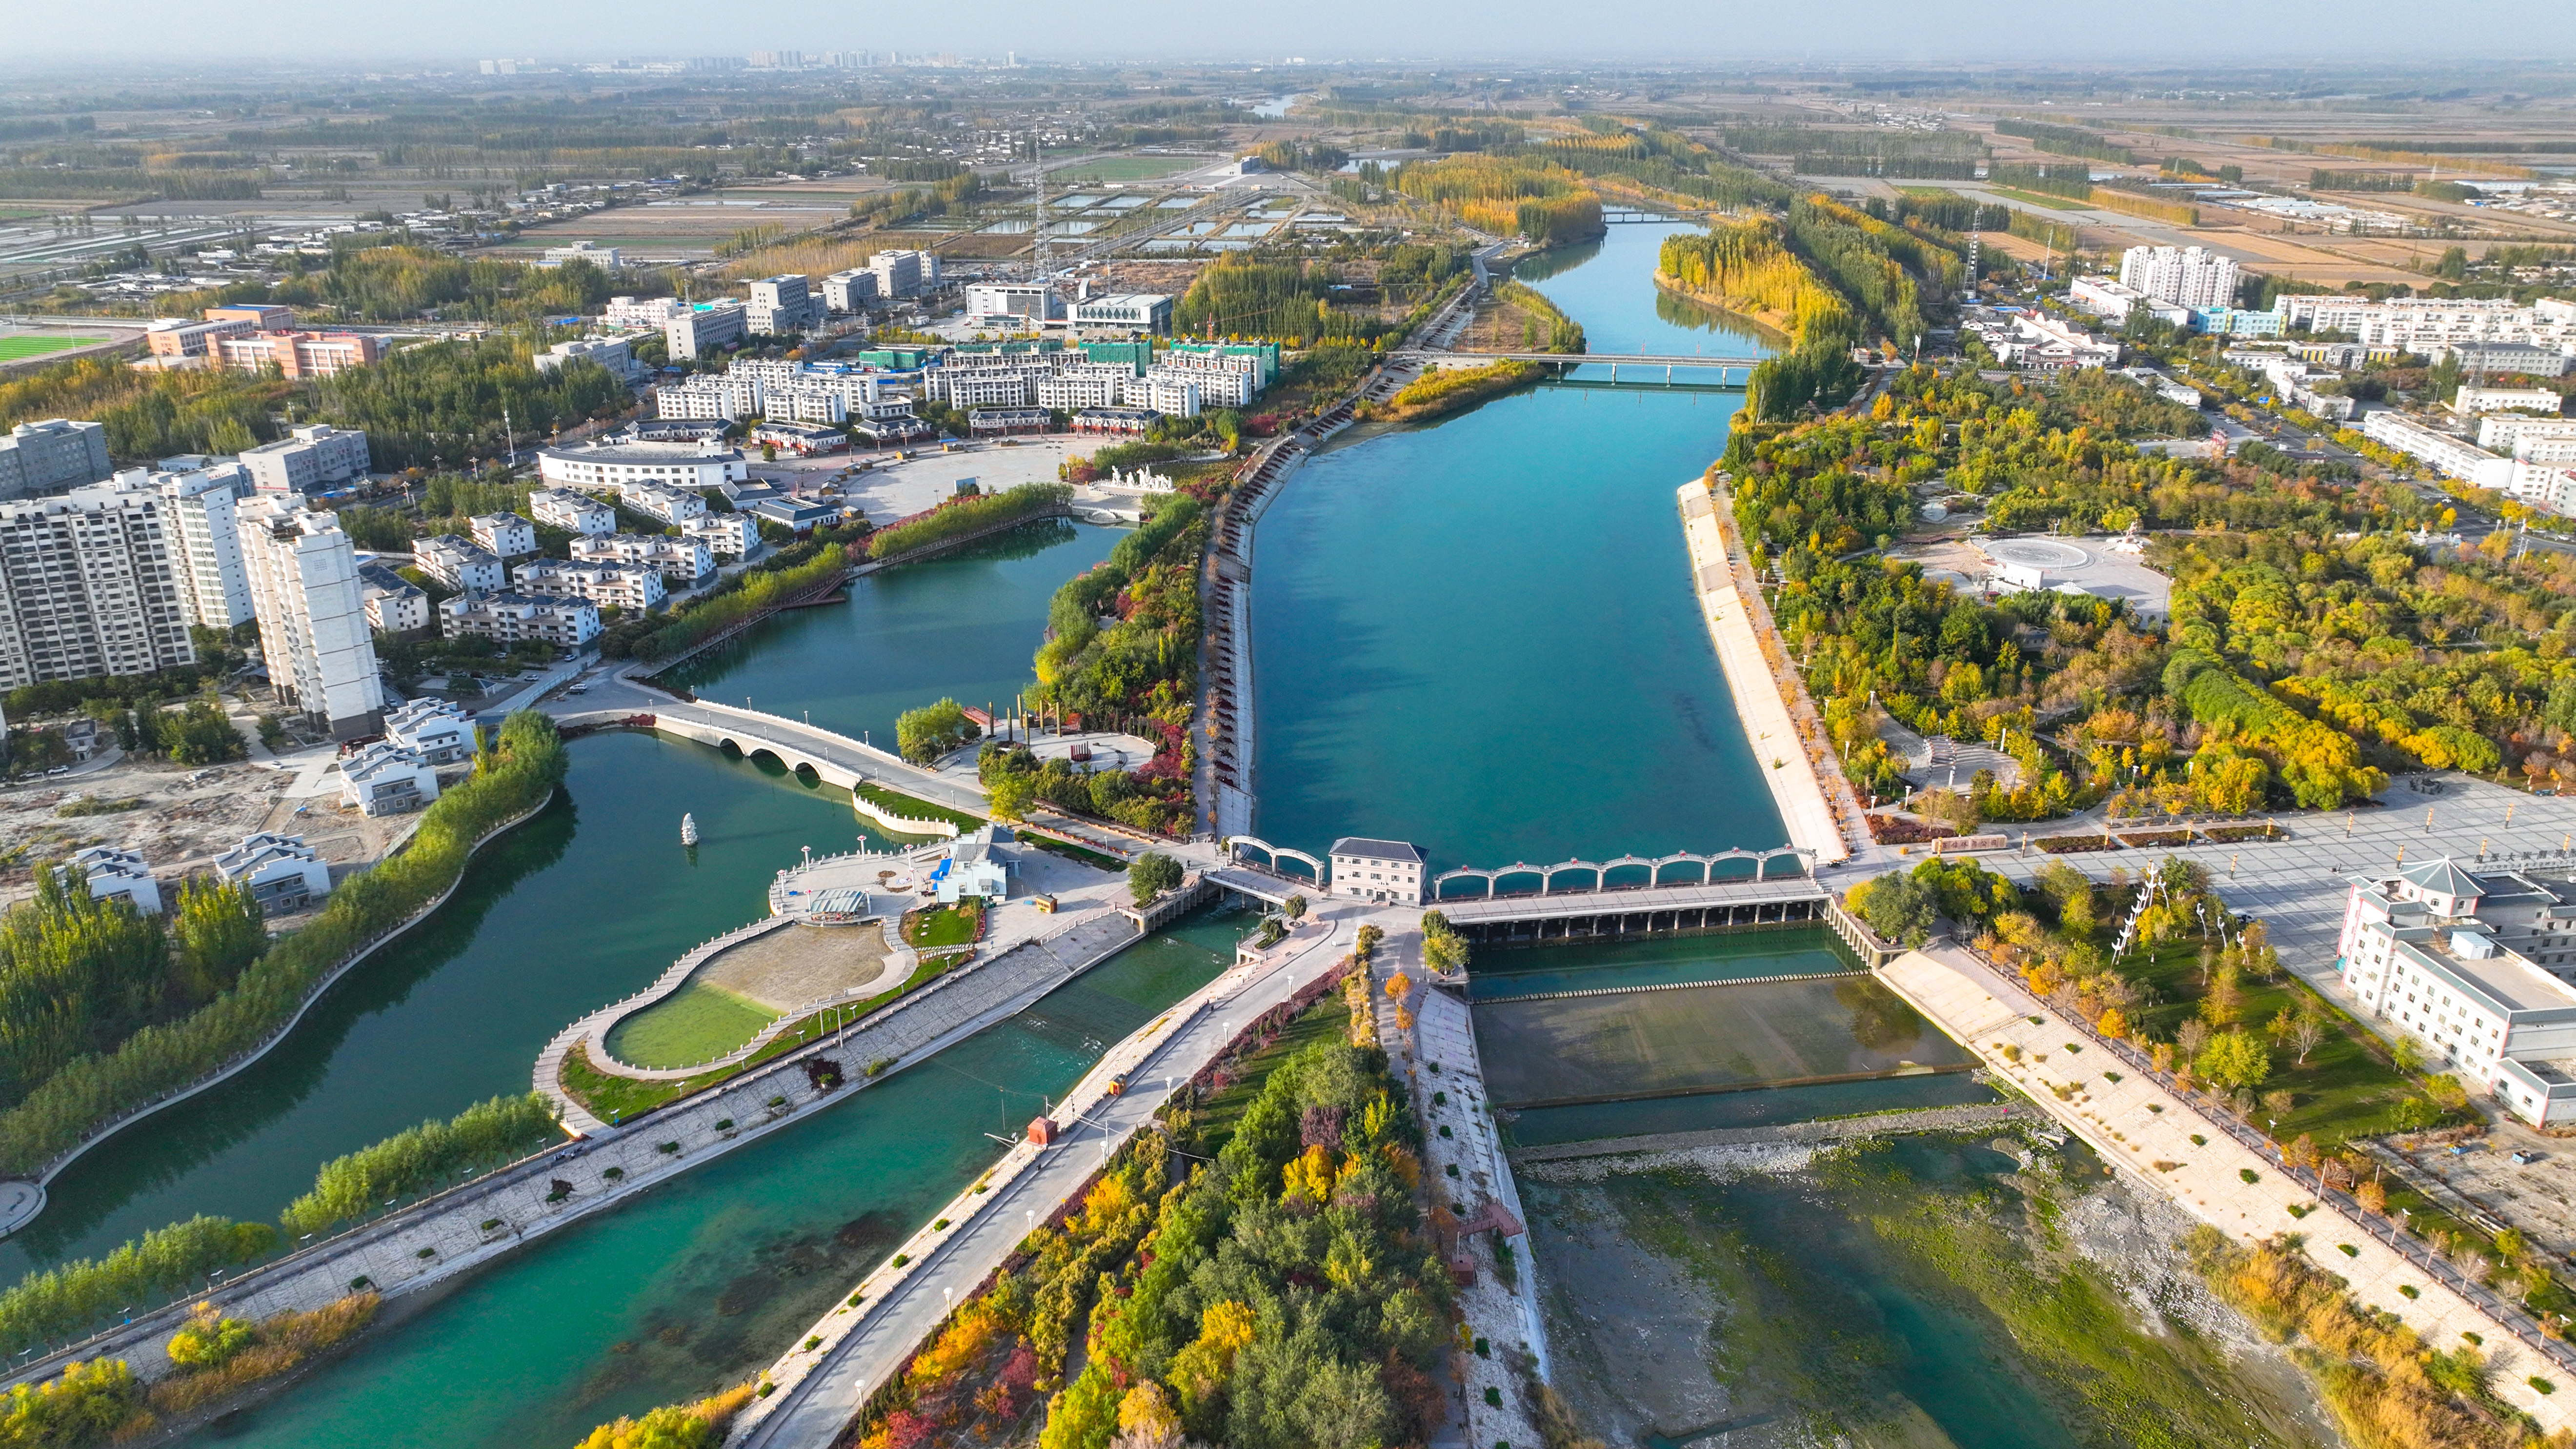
816	1408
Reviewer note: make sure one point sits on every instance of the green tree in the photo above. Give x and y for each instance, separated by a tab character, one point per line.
1294	908
2234	1059
219	930
1151	874
1898	907
1011	795
933	730
89	1404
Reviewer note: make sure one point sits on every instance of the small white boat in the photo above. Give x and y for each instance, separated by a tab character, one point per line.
688	829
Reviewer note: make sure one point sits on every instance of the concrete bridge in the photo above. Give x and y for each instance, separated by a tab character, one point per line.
1741	905
1660	870
1731	371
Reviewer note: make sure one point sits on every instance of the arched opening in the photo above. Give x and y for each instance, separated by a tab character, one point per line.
1573	878
1682	872
1463	888
1627	875
1734	869
1523	882
808	776
1787	865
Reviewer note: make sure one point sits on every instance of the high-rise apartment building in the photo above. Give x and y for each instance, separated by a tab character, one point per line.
88	586
2185	276
50	456
312	616
205	542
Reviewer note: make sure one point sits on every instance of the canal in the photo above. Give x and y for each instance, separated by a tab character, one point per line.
1480	636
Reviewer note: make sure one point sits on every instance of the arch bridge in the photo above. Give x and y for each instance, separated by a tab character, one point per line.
1680	868
1271	856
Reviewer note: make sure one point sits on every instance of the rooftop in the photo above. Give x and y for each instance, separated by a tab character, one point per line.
1367	849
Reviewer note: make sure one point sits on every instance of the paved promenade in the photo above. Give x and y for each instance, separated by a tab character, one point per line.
2132	1121
1779	747
820	1390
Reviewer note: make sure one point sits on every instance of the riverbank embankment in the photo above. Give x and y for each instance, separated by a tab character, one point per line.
821	1384
1787	759
2164	1141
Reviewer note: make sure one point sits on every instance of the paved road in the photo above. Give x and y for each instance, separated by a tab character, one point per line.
819	1407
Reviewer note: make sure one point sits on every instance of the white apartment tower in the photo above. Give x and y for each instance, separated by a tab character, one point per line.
2185	276
312	616
88	586
205	541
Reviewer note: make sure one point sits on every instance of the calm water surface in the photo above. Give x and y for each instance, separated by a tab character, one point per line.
1480	636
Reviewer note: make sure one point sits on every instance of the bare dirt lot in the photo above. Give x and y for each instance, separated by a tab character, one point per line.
785	969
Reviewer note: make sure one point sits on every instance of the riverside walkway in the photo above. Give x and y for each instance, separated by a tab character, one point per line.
821	1389
2205	1162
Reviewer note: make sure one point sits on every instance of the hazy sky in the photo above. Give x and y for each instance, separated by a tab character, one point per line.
2206	33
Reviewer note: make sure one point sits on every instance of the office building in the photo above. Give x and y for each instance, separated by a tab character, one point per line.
2235	322
1131	311
606	259
387	778
572	512
679	558
904	274
2180	276
308	460
616	466
782	306
850	291
704	328
1013	302
460	564
515	618
608	583
505	535
199	520
283	873
297	354
51	456
726	535
2475	966
89	586
312	614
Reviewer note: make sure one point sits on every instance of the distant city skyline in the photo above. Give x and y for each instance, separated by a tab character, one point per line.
2201	32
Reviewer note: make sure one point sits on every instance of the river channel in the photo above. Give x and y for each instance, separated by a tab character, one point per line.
1480	636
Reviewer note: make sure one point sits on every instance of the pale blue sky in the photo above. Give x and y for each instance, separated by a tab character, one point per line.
2206	33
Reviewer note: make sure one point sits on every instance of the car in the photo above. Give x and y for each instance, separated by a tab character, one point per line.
2525	1157
59	770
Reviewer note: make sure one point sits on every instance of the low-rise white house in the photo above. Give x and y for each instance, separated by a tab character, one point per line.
2476	966
974	867
283	873
387	778
504	534
114	872
459	563
604	582
679	558
654	500
572	512
509	618
726	535
437	731
1377	870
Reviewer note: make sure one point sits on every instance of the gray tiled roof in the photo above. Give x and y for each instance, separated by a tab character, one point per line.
1376	849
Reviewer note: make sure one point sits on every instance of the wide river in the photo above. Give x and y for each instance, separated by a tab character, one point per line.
1479	636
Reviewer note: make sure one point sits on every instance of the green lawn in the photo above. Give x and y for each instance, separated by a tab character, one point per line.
2054	203
19	349
1216	1117
945	926
696	1023
2347	1089
895	803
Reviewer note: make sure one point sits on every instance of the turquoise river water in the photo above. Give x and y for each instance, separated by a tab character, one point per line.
1480	636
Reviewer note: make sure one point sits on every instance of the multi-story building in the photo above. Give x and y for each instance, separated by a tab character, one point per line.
614	467
506	535
653	312
88	586
2114	301
2430	324
617	354
1225	379
1388	871
782	306
680	558
607	259
119	873
2236	322
980	387
2475	966
703	328
173	343
307	459
2456	457
707	395
1008	422
1013	302
461	564
850	291
802	439
283	873
437	731
2506	399
387	778
654	500
2536	440
726	535
312	616
1169	391
513	618
297	354
1086	385
605	582
572	512
1265	357
902	274
2511	359
2181	276
51	456
198	510
395	605
1114	422
1133	311
821	405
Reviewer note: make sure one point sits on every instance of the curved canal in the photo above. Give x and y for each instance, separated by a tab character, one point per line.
1480	636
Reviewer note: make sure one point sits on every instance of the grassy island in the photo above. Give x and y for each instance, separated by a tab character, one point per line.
1439	393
